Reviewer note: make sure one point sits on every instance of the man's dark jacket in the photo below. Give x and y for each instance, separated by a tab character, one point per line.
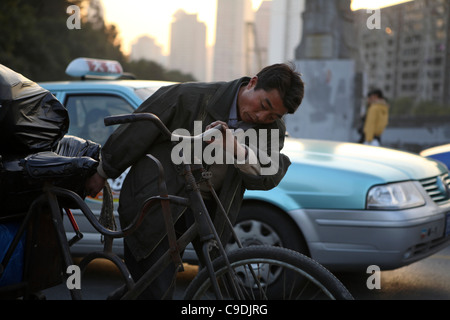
178	106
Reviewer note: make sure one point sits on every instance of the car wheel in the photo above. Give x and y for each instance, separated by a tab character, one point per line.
262	225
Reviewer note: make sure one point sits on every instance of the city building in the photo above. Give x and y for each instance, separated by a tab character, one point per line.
406	52
188	45
285	29
260	32
232	51
145	48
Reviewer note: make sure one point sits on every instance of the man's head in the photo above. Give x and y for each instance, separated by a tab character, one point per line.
276	90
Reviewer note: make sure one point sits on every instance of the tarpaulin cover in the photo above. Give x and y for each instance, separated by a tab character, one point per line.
31	118
21	180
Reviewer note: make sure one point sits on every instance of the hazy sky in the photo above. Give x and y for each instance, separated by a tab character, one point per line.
135	18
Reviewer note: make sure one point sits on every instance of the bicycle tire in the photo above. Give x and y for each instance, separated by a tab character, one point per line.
294	277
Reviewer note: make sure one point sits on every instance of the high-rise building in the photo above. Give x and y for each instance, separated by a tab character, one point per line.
285	29
261	34
188	45
145	48
407	52
232	58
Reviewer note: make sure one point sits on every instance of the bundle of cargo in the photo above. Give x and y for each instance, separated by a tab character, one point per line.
32	126
34	150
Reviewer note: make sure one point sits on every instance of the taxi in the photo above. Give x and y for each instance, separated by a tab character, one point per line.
348	206
98	93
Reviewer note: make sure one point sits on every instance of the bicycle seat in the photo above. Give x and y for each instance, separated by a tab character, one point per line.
50	165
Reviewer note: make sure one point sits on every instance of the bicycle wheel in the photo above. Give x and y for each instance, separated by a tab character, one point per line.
264	272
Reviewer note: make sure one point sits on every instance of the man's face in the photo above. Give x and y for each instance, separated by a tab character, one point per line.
259	106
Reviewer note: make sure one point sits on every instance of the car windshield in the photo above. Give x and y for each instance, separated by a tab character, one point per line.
144	93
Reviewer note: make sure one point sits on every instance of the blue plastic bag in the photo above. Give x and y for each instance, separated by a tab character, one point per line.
13	272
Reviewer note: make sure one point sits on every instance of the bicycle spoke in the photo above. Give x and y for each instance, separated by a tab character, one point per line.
272	273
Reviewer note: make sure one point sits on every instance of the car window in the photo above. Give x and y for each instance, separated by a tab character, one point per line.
144	93
86	113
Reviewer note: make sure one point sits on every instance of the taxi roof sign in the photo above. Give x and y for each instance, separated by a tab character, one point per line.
94	68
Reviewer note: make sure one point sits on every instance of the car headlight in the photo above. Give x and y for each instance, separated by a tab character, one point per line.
394	196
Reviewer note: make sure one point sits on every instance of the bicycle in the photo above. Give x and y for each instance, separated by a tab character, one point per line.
256	272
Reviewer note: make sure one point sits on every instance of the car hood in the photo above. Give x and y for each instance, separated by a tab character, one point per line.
389	165
435	150
441	153
327	174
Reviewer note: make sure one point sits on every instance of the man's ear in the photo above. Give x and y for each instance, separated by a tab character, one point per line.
252	83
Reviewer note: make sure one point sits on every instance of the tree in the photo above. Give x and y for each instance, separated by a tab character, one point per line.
37	43
150	70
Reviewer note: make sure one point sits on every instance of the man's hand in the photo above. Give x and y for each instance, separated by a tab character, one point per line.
228	140
94	184
222	139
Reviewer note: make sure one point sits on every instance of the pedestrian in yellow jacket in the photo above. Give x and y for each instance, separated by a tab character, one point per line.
377	118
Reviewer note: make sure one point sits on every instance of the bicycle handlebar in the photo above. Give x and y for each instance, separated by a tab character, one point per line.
135	117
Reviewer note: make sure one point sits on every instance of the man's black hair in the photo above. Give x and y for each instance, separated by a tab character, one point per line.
286	80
